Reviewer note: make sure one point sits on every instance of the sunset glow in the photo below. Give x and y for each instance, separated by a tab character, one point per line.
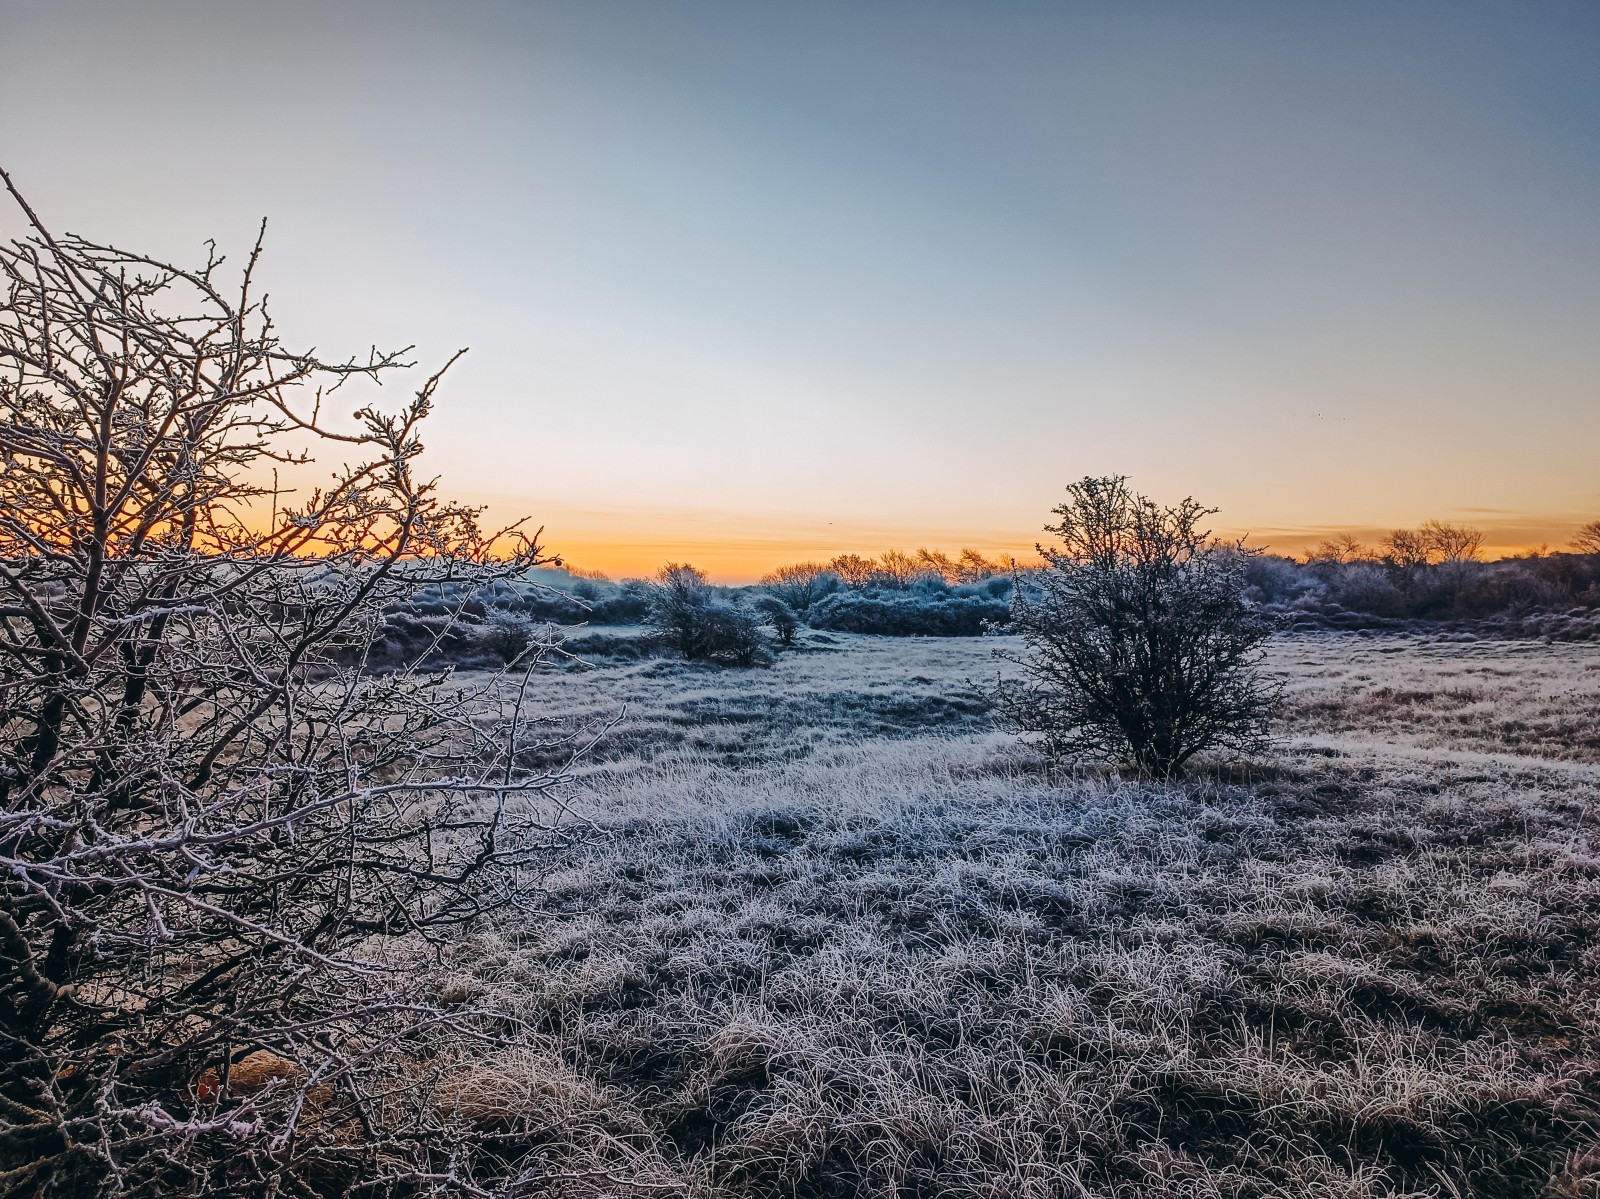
738	549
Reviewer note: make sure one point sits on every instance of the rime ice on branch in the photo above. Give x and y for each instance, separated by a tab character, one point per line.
216	817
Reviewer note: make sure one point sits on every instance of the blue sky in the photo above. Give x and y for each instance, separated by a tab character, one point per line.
748	282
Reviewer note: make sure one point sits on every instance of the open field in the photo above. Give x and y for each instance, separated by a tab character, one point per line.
833	935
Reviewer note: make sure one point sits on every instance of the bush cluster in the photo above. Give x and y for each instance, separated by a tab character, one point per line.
910	613
1518	596
697	620
926	594
1427	574
470	625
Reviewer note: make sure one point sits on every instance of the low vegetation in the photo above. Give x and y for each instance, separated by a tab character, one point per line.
867	946
1419	579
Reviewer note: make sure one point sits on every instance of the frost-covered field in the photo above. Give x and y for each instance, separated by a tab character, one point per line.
833	935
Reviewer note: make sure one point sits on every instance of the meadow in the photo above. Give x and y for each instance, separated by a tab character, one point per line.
823	930
353	849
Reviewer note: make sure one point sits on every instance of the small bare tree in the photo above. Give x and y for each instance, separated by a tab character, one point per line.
898	569
217	822
801	585
974	567
937	562
1341	550
1587	538
1451	545
1405	556
1141	646
854	570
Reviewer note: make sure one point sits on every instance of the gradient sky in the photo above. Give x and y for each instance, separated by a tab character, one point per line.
751	282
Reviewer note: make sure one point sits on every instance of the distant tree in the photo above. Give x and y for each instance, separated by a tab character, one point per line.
1405	555
1436	551
939	563
1451	545
1435	543
688	614
1456	551
801	585
854	570
897	569
1587	539
1141	646
1340	550
974	567
1406	549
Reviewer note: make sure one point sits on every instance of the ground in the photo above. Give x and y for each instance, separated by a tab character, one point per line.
830	933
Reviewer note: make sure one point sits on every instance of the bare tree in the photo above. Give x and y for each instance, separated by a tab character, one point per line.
854	570
1340	551
1451	545
1435	549
1406	549
1141	645
937	562
218	823
897	568
1405	556
974	567
1435	543
1587	538
801	585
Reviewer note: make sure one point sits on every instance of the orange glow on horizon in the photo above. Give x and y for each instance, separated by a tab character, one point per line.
737	548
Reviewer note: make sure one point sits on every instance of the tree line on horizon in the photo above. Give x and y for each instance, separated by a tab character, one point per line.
1433	543
1432	573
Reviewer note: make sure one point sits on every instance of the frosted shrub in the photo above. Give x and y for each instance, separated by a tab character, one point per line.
688	614
1141	646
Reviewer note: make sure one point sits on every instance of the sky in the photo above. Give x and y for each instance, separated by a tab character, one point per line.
753	282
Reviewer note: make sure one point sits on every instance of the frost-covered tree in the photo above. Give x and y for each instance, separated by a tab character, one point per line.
780	618
217	824
1587	539
1141	646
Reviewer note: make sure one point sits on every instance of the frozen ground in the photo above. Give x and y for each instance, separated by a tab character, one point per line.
833	935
